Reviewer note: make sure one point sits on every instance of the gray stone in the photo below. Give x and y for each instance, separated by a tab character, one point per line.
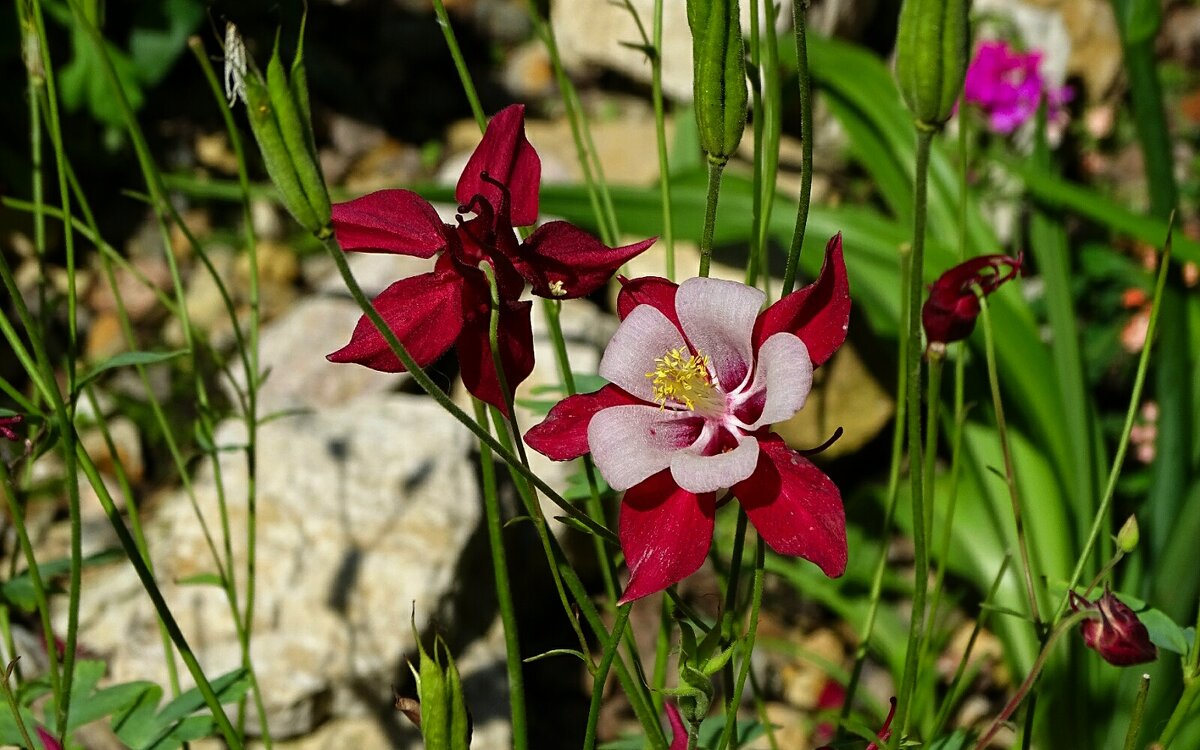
364	514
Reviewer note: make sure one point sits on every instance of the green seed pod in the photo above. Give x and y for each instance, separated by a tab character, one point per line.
297	132
444	720
280	168
719	75
931	57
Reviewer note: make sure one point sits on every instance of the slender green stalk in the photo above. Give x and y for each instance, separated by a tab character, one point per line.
1180	714
729	612
589	162
1139	709
460	63
957	684
800	23
1010	474
875	597
160	604
40	600
915	467
251	367
601	676
660	130
754	262
1135	400
710	215
13	706
662	650
508	614
729	737
1063	627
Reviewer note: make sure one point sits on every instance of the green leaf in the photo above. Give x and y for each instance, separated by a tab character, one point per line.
1165	632
202	579
82	82
19	590
126	359
557	652
160	35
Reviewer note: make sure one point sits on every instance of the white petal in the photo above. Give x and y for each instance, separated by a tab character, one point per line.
718	318
785	373
632	443
644	336
698	473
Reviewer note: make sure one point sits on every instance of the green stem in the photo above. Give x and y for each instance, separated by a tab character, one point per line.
13	706
1135	400
508	615
729	736
1139	710
800	23
660	130
460	63
1036	670
601	676
1180	714
957	685
731	595
915	464
893	493
1010	473
710	214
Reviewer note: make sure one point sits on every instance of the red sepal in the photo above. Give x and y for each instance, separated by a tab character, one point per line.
796	509
819	313
665	533
562	435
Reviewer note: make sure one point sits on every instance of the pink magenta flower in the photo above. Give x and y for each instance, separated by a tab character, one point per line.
450	307
1008	87
950	312
679	734
697	376
1117	634
6	427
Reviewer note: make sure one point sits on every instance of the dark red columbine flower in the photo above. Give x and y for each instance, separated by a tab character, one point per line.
6	427
698	375
450	306
949	313
1117	634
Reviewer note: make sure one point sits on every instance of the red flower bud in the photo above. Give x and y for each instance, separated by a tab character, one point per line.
949	313
1117	635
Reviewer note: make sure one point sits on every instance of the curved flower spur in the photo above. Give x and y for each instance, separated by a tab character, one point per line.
450	306
697	377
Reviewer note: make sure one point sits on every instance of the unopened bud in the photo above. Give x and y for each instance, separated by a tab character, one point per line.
1117	634
931	57
719	75
1127	537
279	118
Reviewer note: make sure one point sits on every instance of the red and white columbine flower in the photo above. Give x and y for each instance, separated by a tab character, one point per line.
450	307
697	376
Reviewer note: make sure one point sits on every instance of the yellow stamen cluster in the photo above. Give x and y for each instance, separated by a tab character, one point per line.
682	377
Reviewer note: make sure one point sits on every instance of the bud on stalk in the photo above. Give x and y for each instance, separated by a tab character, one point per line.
931	57
719	75
278	112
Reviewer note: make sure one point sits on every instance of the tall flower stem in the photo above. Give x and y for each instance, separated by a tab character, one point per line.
11	699
893	494
1010	474
1135	400
800	23
729	736
729	613
601	676
913	408
1139	710
664	169
508	615
460	63
1034	672
715	168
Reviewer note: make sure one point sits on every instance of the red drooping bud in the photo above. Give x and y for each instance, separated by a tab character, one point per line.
1117	635
949	313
